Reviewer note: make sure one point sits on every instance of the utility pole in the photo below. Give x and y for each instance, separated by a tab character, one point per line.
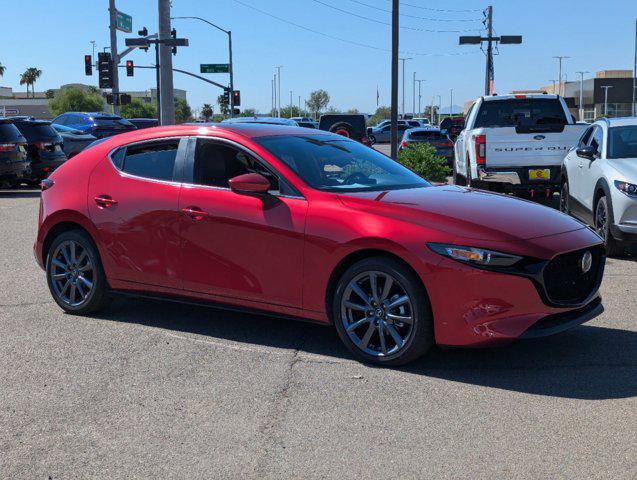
272	96
114	56
403	103
606	87
394	79
451	105
490	76
278	77
165	64
413	107
419	97
93	43
560	58
291	103
299	105
635	75
554	87
581	95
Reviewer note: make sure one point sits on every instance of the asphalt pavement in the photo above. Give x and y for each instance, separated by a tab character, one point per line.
157	390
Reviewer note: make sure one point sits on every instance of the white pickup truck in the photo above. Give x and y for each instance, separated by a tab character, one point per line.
515	144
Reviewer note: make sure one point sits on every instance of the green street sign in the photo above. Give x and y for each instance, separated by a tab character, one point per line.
124	22
214	68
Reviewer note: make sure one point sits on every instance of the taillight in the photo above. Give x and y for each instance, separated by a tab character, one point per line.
43	145
520	96
403	144
7	147
481	149
46	184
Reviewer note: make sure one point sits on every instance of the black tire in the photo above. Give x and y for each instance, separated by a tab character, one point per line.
418	336
372	139
344	129
97	295
564	198
603	221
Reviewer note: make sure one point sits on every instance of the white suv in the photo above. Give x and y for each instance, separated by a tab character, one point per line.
599	181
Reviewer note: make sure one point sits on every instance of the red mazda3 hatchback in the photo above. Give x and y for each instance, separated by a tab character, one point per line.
311	225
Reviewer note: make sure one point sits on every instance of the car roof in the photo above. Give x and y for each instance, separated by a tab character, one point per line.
619	121
519	96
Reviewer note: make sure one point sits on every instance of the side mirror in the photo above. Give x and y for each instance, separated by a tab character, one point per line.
587	152
250	183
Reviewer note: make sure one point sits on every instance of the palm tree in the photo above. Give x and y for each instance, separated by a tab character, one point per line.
2	69
206	111
29	77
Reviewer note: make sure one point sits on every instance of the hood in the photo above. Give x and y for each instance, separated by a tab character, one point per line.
626	167
466	213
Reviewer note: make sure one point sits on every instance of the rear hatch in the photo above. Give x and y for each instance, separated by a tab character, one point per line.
106	126
44	143
433	137
12	145
526	131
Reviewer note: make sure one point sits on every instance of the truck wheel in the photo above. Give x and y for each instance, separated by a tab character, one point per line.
457	178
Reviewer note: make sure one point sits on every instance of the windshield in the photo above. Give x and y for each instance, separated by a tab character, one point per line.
521	112
336	164
622	142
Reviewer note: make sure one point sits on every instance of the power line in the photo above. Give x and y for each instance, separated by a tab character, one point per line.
439	9
344	40
347	12
419	17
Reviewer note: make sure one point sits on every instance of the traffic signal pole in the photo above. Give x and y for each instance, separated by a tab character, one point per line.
394	80
489	67
231	74
115	76
167	105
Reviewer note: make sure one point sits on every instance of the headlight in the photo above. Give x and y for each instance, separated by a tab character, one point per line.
627	188
475	256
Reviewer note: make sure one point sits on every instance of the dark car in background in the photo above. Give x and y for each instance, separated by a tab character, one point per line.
44	146
74	140
144	122
433	136
15	166
453	126
350	126
99	124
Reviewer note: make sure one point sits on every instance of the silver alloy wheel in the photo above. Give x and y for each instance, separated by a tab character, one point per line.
377	313
72	273
601	219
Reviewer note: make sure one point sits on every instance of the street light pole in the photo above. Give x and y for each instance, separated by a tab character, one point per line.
413	106
581	95
451	104
165	64
403	101
560	58
394	79
278	77
635	74
115	58
419	97
606	87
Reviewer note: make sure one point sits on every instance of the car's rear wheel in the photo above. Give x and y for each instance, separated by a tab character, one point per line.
381	312
603	221
74	273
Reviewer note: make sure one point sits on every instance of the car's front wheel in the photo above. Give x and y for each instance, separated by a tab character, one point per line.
564	198
382	313
74	273
603	222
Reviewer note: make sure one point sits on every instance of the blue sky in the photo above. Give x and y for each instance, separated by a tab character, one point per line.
597	35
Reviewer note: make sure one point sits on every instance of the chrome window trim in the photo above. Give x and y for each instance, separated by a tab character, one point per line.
249	152
139	142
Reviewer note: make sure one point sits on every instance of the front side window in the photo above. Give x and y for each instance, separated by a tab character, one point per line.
336	164
154	160
622	142
215	163
586	136
596	140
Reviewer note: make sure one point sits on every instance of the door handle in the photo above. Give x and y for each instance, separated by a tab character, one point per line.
195	213
104	201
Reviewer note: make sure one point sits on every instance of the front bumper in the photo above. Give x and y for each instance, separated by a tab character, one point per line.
560	322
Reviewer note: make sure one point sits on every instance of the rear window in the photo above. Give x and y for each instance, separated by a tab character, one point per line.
521	113
427	136
112	122
36	131
9	133
154	160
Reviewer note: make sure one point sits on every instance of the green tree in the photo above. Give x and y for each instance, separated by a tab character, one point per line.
249	112
289	112
353	111
138	109
29	77
381	114
333	111
74	99
50	93
319	100
421	158
183	112
224	107
206	111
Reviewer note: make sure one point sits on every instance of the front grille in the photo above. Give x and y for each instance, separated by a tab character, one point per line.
566	283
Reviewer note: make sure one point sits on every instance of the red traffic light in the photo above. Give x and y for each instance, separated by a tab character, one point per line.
236	98
130	68
88	65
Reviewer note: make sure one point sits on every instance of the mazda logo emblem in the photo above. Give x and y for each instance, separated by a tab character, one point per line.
586	262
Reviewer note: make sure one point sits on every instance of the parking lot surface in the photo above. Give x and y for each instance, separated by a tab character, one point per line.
147	389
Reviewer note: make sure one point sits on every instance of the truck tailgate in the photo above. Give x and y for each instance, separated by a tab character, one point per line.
507	148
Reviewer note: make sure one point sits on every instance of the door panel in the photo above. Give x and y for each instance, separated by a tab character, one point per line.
137	220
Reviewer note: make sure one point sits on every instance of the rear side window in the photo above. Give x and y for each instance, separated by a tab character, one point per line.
521	112
154	160
9	133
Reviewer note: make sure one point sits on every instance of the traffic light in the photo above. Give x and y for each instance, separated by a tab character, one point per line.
173	33
143	32
105	69
124	99
130	68
88	65
226	96
236	98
